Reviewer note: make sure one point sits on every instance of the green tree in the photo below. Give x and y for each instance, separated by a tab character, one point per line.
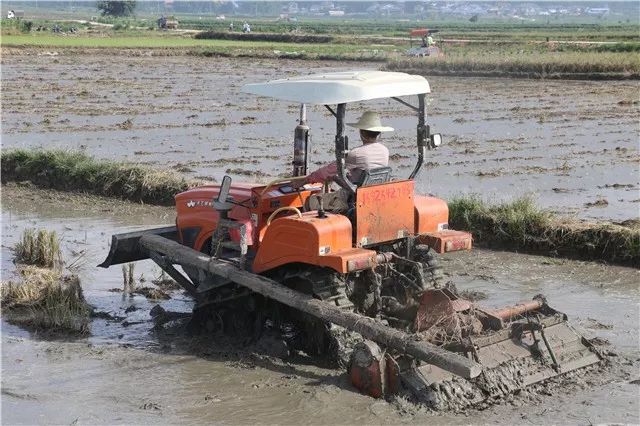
116	8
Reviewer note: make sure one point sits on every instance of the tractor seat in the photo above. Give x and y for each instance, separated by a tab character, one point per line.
374	176
335	201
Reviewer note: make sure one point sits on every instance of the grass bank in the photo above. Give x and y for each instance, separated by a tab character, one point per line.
582	65
287	37
521	225
500	29
180	45
75	171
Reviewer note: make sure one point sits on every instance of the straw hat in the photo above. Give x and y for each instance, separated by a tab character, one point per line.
370	121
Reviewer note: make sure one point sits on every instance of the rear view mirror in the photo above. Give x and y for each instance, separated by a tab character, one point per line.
436	140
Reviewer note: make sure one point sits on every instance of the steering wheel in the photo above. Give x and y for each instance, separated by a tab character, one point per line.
277	181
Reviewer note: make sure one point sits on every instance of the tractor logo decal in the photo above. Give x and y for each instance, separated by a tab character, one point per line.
324	250
199	203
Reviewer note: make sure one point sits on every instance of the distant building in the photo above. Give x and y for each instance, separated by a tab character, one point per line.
598	11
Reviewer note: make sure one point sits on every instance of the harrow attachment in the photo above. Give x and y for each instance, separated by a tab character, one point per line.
516	346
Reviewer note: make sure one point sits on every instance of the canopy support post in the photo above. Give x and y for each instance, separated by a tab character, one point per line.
331	111
422	135
406	104
342	148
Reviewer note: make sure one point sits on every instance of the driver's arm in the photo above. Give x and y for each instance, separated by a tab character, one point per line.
323	173
353	161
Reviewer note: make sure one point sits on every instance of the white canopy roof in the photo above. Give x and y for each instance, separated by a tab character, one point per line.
341	87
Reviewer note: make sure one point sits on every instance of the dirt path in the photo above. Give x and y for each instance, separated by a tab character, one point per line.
123	373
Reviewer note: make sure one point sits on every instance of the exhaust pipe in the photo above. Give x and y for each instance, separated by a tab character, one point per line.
301	144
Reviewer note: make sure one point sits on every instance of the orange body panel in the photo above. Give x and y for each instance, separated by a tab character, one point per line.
447	240
384	212
351	259
431	214
271	201
195	209
309	239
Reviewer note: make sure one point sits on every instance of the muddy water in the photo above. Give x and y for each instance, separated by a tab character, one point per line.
127	374
572	144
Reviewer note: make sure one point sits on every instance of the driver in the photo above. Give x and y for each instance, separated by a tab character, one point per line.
370	155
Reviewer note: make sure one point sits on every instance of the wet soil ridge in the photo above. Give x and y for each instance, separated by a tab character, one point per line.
523	226
75	171
519	225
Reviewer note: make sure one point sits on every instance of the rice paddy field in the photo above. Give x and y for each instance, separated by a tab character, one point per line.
102	126
125	370
569	50
504	138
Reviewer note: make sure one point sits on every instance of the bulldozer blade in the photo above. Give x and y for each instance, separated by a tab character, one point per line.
512	359
126	247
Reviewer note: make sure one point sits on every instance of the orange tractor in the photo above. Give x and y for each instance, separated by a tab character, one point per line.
362	287
427	47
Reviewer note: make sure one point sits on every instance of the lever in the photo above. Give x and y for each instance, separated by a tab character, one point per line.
321	213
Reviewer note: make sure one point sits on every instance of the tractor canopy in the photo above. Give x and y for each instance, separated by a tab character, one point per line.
422	32
341	87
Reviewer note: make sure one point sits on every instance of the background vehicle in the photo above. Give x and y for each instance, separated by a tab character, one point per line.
424	49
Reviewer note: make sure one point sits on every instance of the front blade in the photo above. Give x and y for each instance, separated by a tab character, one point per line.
126	248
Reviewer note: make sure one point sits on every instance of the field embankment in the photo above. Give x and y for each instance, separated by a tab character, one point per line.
519	225
75	171
522	226
448	29
129	45
588	65
289	38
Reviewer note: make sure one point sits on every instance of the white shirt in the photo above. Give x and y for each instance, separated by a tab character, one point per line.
366	157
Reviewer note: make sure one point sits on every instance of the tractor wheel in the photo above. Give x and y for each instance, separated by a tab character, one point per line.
321	338
429	259
242	317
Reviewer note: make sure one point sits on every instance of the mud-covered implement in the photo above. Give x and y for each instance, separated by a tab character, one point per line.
360	285
517	346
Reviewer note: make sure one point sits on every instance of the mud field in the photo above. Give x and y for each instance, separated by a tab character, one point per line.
126	373
573	144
